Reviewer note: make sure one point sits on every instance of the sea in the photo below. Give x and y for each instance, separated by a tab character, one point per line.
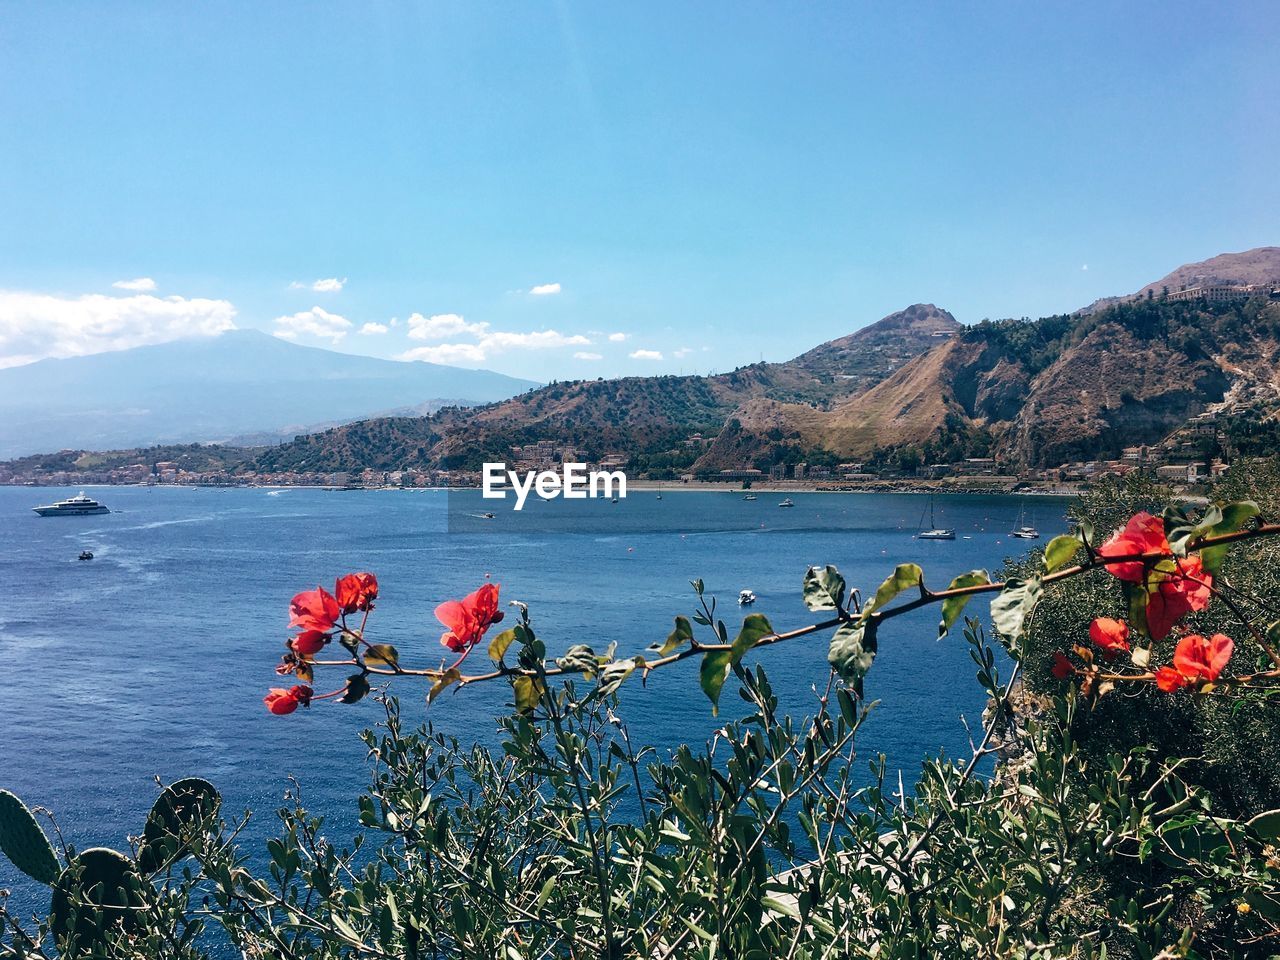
151	660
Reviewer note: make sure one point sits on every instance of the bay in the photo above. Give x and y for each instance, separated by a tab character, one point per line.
152	659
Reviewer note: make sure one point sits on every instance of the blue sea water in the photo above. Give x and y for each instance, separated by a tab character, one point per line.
153	658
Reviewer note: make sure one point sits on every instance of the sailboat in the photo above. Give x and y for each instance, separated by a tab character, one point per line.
934	532
659	489
1022	531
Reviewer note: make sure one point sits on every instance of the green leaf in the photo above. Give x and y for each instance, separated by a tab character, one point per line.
853	650
357	687
381	655
1267	825
443	683
499	644
183	810
1135	597
754	629
824	589
1059	550
1234	517
952	607
580	658
613	674
682	634
1012	607
904	575
715	669
528	691
24	843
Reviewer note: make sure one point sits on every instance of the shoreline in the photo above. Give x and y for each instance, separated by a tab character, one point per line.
1008	487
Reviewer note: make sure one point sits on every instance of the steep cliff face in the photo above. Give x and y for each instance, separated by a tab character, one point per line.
1113	389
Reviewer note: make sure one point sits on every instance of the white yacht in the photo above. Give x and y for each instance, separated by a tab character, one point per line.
1023	531
934	532
746	598
77	506
787	503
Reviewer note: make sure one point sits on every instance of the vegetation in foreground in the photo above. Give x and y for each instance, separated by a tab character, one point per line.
1131	680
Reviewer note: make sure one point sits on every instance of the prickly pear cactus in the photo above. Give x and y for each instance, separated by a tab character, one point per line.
180	813
24	843
95	900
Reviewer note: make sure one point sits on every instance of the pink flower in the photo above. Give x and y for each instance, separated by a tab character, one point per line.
1143	534
356	591
1062	667
314	610
1111	636
467	619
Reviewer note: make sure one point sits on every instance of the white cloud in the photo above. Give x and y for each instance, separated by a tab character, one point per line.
537	340
682	352
447	353
1084	266
371	329
441	326
487	341
545	289
645	355
316	322
34	325
328	285
140	285
587	355
618	337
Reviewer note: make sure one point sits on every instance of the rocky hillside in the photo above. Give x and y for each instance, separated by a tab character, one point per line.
639	415
915	385
1036	393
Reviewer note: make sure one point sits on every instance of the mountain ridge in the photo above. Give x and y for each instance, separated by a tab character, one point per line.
242	382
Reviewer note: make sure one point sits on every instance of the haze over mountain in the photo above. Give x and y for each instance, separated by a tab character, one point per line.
240	384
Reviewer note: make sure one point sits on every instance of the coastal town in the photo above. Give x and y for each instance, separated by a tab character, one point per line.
1193	455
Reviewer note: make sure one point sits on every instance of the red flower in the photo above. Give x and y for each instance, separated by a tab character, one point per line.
1111	636
1199	659
468	618
314	610
281	702
1183	590
1062	667
1169	679
356	591
308	643
1143	534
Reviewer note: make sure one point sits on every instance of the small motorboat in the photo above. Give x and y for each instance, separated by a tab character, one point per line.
490	516
787	503
85	555
746	598
750	496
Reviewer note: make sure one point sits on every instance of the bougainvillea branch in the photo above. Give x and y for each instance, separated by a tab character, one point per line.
1164	564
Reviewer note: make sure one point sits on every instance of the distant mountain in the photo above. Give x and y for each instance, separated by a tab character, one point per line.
243	384
1261	265
915	386
641	415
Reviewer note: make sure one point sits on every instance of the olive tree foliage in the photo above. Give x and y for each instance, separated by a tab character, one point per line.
776	839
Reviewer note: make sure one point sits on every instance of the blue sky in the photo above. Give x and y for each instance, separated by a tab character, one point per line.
711	183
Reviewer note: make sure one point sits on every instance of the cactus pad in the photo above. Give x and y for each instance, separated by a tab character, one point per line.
182	811
24	843
97	897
